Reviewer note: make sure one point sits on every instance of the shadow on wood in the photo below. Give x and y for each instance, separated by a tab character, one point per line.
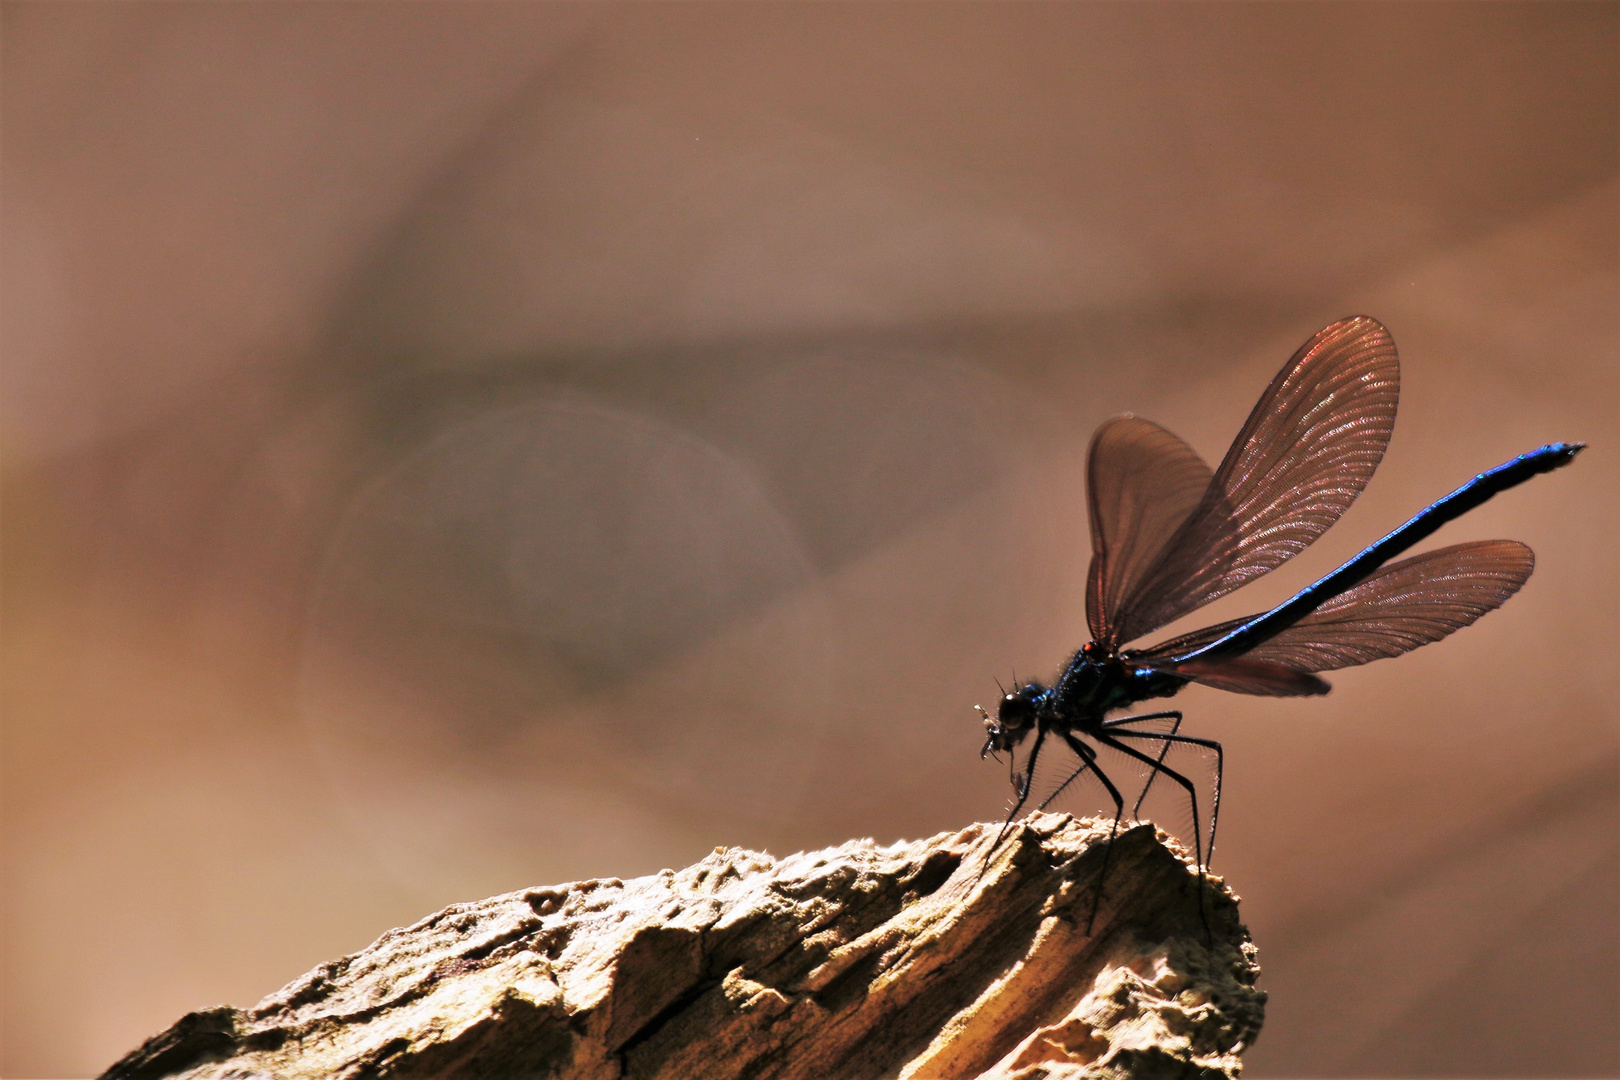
913	961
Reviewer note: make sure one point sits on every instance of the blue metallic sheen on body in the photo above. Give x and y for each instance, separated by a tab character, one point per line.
1422	525
1092	685
1098	680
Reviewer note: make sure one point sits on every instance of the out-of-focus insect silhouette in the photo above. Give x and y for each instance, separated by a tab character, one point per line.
1168	536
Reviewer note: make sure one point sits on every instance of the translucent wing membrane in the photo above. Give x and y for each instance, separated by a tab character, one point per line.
1307	450
1404	605
1142	484
1247	675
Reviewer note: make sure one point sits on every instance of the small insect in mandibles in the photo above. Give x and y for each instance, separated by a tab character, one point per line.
1168	536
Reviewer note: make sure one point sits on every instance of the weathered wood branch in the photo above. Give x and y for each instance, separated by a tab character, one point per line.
915	961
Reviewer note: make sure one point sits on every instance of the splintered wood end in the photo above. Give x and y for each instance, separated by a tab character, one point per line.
933	959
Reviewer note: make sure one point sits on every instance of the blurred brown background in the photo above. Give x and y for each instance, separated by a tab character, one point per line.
451	448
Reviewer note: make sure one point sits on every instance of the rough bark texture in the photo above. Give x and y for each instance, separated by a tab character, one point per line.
916	960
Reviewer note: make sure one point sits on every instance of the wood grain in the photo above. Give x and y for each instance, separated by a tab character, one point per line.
931	959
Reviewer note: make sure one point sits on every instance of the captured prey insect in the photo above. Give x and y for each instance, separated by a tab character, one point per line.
1168	536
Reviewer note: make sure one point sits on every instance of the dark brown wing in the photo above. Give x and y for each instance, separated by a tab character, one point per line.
1242	675
1406	604
1307	450
1142	483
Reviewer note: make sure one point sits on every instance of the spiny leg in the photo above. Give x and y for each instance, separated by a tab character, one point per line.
1220	768
1107	739
1089	755
1192	794
1085	763
1023	793
1170	714
1154	774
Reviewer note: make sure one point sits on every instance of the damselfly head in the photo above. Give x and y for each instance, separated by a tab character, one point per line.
1015	716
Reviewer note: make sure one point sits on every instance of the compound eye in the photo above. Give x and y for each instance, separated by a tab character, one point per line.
1015	712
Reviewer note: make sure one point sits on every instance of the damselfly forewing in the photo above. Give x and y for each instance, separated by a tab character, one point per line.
1169	535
